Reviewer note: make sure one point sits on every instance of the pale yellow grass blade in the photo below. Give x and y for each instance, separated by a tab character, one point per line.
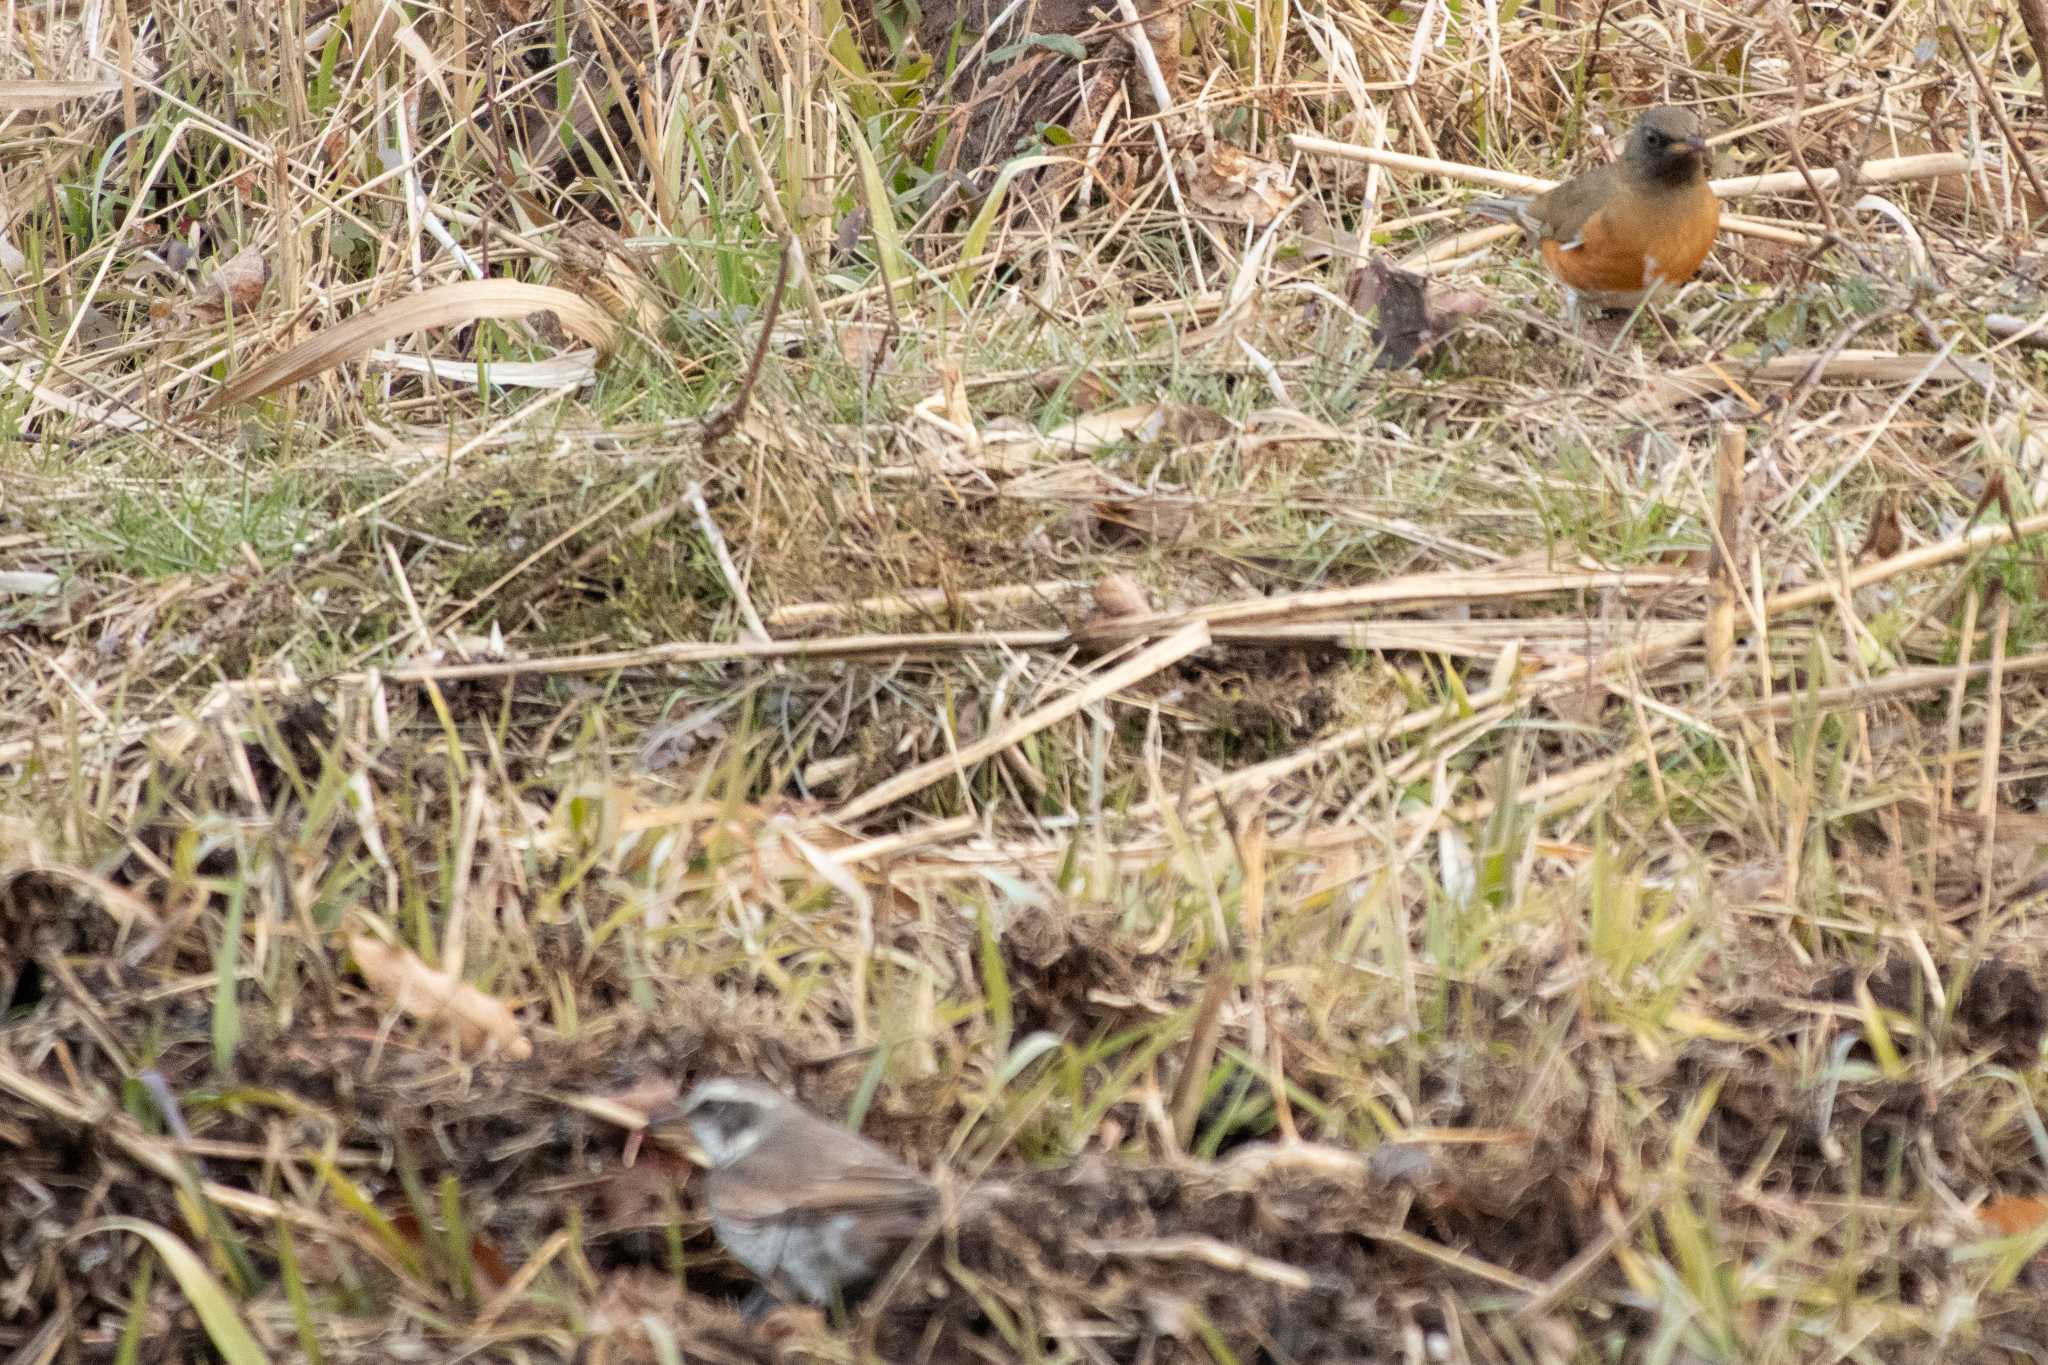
442	306
23	96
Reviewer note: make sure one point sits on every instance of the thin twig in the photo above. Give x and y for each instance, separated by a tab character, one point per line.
694	495
721	424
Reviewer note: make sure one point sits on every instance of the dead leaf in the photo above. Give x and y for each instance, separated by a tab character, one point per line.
1167	521
1230	183
1995	491
570	370
486	1261
1409	321
1085	389
1459	303
1121	595
642	1194
864	345
431	996
1580	704
1885	537
1118	601
237	285
596	261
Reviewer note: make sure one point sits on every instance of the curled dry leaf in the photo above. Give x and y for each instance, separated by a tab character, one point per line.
436	997
1232	184
1121	595
1117	601
596	261
237	286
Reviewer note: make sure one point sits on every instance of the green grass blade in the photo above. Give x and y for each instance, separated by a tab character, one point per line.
224	1326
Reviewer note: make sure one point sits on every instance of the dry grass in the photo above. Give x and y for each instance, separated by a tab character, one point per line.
1518	891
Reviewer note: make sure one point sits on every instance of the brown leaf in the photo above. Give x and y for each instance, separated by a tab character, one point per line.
1165	520
1459	303
1121	595
1409	321
864	345
1995	491
237	285
1230	183
1580	704
1085	390
485	1259
1885	537
639	1195
431	996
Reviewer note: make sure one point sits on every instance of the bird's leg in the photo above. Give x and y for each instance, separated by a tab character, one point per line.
1576	311
1628	324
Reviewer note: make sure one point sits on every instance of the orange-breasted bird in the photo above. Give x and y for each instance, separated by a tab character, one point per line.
1616	234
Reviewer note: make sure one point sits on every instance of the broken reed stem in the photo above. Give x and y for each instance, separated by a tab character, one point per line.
922	601
2034	14
1955	677
1926	166
1883	171
694	495
1806	367
2014	148
1183	642
1725	553
1966	647
1994	734
1994	715
1190	1089
1724	556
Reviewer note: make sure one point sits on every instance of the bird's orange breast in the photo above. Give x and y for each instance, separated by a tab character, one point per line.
1637	241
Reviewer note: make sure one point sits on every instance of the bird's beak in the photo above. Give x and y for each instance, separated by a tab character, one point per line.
1698	144
665	1126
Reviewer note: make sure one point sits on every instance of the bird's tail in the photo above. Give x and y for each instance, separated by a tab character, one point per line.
1509	210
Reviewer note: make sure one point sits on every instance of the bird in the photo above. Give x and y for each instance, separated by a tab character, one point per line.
813	1210
1616	235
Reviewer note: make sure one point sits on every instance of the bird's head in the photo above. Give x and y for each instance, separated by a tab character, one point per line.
726	1117
1668	144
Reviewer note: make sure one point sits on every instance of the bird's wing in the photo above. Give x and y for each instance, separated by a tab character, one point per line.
869	1191
1562	214
827	1190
